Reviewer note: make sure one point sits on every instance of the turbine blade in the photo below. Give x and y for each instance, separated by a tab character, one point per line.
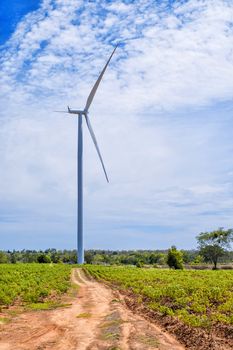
61	112
96	144
95	87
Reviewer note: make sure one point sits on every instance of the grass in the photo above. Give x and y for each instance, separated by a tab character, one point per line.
50	305
73	290
115	301
148	340
4	320
84	315
110	328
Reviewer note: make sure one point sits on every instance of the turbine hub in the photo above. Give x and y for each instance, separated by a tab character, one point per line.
76	111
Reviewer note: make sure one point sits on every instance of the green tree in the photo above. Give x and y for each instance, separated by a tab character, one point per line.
3	258
214	244
175	258
153	258
13	258
162	259
198	260
89	257
43	259
98	259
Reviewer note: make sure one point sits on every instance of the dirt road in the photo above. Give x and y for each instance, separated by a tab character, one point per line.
95	320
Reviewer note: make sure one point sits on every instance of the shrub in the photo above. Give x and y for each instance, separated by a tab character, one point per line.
175	258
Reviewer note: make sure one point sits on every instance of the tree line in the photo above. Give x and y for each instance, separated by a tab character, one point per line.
213	247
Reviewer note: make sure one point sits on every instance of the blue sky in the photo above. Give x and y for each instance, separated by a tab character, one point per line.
11	12
162	117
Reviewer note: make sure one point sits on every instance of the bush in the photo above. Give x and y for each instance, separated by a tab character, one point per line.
44	259
175	258
139	264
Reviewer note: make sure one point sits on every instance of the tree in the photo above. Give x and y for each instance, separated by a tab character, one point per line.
13	258
175	258
98	259
3	258
43	259
153	258
89	257
214	244
198	260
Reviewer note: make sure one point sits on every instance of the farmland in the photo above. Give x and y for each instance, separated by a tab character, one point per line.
32	283
195	306
197	298
94	319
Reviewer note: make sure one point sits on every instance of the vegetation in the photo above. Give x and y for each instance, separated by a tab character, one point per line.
3	258
33	256
213	244
175	259
32	283
197	298
108	257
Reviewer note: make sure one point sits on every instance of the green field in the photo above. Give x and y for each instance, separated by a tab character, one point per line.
197	298
32	283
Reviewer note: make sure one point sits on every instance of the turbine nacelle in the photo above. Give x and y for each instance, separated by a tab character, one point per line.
76	111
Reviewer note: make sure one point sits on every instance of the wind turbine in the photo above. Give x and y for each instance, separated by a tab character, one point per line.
81	114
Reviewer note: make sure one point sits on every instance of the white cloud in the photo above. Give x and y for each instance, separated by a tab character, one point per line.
159	115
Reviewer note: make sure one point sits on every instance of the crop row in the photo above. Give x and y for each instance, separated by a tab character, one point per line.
32	283
198	298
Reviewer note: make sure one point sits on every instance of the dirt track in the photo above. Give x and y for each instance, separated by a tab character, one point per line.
95	320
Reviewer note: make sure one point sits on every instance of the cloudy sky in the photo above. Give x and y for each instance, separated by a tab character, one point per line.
163	117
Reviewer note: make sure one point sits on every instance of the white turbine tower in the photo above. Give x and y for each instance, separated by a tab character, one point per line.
81	114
